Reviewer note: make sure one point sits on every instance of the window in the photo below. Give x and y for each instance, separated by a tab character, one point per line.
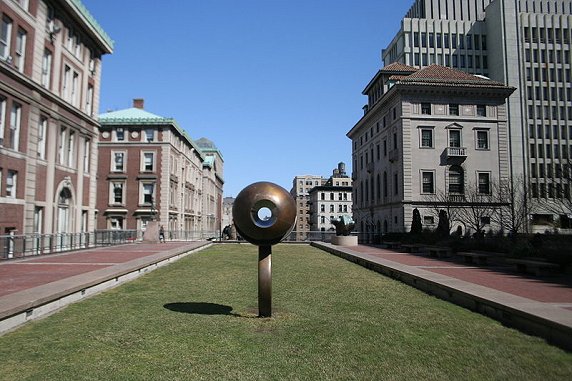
120	134
322	208
482	139
20	51
148	193
5	37
15	119
331	208
395	183
46	68
484	183
148	161
24	4
11	181
456	183
485	220
453	109
75	89
428	182
2	119
71	146
455	138
426	138
62	141
42	130
118	164
117	193
150	134
86	153
426	108
66	84
89	100
481	110
428	220
115	223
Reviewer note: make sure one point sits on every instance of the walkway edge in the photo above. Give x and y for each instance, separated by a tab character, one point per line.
26	305
552	323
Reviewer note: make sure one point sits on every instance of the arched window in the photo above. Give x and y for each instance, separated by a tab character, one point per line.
456	183
64	197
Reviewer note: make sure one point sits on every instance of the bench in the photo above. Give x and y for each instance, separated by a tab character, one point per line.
536	267
439	252
475	257
412	247
392	245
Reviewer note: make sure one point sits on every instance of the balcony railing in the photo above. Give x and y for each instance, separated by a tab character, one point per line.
456	198
456	152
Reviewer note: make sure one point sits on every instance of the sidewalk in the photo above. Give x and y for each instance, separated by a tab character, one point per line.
33	287
541	306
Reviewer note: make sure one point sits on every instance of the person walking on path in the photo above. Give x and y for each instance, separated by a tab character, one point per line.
162	234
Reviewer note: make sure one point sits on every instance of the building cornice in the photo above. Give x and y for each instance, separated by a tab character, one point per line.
81	14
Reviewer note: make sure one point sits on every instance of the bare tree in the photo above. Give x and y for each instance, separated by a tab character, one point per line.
479	207
441	200
514	204
475	208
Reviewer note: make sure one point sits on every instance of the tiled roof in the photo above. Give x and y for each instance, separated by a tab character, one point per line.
398	67
445	75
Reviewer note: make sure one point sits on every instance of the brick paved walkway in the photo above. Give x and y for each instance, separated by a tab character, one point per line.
538	305
555	289
18	275
34	286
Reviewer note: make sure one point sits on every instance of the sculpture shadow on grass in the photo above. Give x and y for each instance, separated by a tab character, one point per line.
200	308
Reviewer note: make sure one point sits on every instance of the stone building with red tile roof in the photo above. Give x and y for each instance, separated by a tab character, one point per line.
429	138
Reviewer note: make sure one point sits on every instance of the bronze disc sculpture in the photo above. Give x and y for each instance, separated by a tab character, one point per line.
264	214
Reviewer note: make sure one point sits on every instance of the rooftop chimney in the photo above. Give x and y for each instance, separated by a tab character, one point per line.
138	103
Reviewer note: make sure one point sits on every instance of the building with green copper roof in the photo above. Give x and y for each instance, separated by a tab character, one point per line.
150	169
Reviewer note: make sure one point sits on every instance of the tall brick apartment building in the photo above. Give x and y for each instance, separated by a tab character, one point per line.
50	69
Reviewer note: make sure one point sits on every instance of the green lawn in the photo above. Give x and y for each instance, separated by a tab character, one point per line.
196	319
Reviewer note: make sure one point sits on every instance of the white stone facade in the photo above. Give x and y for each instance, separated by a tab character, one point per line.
525	44
429	132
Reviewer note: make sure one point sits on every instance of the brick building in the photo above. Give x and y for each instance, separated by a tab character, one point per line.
50	70
150	169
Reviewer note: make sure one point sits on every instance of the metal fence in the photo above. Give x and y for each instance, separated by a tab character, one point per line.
19	246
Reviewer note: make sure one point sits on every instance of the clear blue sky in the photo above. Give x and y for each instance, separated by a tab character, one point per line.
275	84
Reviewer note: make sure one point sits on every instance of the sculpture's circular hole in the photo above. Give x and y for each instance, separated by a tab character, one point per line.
264	213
